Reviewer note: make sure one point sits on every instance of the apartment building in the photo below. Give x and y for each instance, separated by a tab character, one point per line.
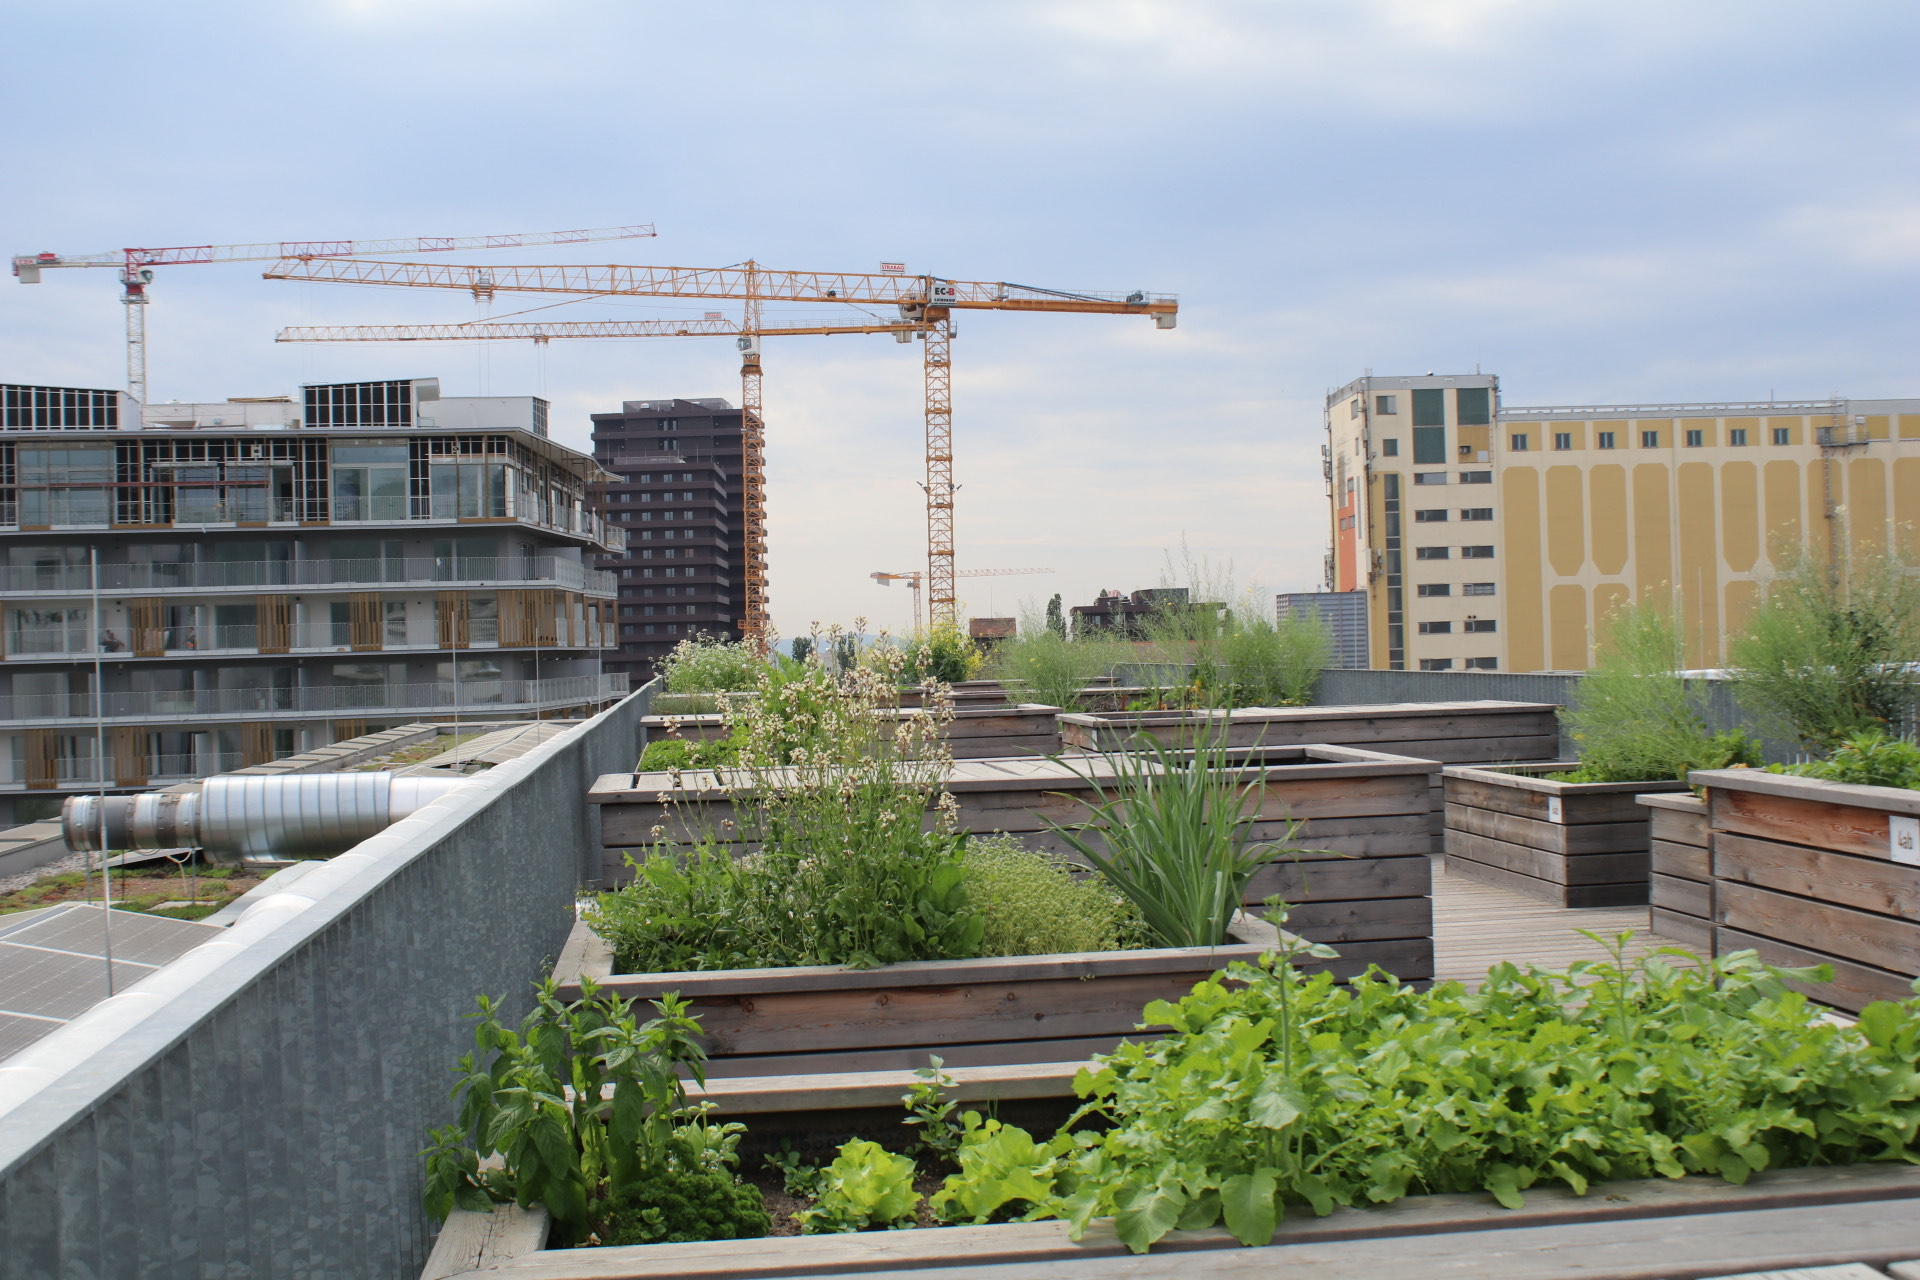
676	491
188	588
1488	537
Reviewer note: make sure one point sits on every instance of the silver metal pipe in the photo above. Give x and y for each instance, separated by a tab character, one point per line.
248	818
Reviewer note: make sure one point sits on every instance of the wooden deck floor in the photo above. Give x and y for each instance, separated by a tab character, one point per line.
1476	925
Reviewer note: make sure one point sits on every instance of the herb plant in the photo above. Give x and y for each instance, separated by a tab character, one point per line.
865	1186
1866	760
1175	836
1033	903
1634	717
690	753
583	1106
1276	1091
930	1111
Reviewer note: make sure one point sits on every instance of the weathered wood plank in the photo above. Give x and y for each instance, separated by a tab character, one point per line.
1876	940
1869	884
1687	897
1073	1049
1689	931
1565	839
1584	869
1794	820
1590	895
1679	818
1339	923
1534	803
1458	1232
1854	985
816	1091
1687	861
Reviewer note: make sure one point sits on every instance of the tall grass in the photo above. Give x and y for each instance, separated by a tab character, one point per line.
1042	665
1175	832
1634	718
1241	655
1829	651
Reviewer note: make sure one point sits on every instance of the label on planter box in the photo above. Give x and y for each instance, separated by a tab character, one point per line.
1553	808
1903	838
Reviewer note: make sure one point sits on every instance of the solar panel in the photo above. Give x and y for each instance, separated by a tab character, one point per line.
53	965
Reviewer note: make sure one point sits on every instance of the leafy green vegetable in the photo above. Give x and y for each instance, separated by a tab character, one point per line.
1278	1090
1866	760
1001	1169
672	1206
691	753
865	1186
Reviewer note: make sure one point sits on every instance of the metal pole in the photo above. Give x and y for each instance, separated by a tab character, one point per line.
100	770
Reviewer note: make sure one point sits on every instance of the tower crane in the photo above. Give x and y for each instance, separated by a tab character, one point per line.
912	578
136	267
926	299
756	624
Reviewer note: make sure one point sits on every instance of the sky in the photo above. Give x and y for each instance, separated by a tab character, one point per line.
1630	201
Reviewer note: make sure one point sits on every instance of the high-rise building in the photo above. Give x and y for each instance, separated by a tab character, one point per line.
1496	538
198	587
1345	614
676	489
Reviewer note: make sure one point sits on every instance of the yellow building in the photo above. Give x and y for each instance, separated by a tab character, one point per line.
1497	538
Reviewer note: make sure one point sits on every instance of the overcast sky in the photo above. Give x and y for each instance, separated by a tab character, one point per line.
1601	202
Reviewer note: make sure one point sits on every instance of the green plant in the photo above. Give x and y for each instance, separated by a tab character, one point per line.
708	664
865	1186
1176	830
930	1110
1275	1090
835	786
691	753
797	1177
1042	665
1866	760
1056	620
1266	663
1034	904
672	1206
943	654
580	1102
1003	1172
1634	717
1831	650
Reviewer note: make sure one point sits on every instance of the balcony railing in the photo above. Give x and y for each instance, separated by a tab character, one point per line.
307	637
321	700
242	575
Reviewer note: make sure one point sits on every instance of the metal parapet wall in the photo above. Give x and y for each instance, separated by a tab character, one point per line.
256	1108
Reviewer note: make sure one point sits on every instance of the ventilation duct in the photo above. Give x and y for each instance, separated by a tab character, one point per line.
243	818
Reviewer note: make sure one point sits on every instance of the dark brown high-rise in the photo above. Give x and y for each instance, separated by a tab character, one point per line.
679	498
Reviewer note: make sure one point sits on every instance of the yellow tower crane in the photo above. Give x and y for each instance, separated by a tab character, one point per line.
922	299
755	621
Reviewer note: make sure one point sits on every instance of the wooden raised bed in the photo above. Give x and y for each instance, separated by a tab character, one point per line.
1575	844
1680	866
1362	883
1657	1229
997	1010
1814	872
974	733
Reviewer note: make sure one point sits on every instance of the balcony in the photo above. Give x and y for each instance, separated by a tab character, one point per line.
307	638
436	698
436	572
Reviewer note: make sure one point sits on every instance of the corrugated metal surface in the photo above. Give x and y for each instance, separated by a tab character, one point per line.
266	1121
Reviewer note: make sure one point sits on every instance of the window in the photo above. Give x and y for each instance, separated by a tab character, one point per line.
1518	442
1737	436
1436	628
1649	439
1483	664
1783	435
1604	439
1481	625
1476	477
1476	513
1429	446
1430	517
1430	408
1696	438
1563	439
1433	553
1436	664
1476	553
1386	404
1429	477
1389	448
1473	406
1354	405
1435	589
1476	588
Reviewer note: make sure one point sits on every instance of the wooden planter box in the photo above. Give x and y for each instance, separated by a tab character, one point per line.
1575	844
1674	1228
1680	867
811	1019
1362	883
974	733
1813	872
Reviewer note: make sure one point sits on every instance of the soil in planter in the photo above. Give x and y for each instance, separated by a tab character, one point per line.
784	1209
